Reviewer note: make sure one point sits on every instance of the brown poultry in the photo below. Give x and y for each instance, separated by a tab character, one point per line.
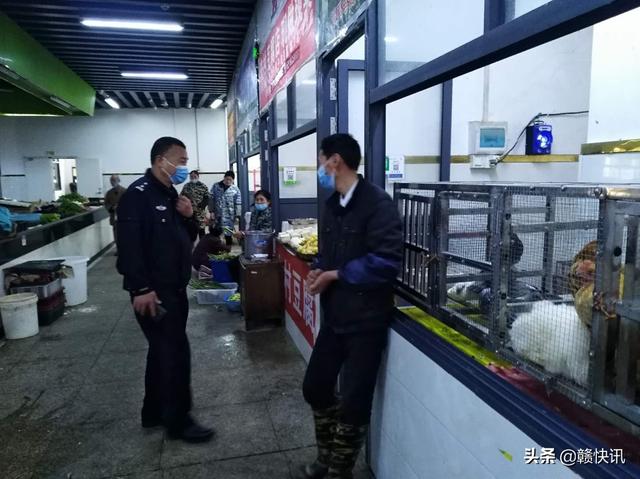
581	279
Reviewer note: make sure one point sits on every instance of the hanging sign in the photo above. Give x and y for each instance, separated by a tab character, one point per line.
289	176
394	168
337	16
290	44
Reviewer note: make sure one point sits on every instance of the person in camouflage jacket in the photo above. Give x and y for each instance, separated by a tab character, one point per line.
225	204
198	193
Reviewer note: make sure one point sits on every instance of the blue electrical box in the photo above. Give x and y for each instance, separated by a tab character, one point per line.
539	139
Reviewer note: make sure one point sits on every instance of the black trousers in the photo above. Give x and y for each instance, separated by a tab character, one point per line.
168	375
358	356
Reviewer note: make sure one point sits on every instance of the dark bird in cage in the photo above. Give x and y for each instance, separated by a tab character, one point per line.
582	277
482	292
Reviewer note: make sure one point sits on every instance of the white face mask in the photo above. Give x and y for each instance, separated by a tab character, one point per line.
194	180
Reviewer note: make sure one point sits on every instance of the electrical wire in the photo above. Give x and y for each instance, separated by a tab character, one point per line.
539	115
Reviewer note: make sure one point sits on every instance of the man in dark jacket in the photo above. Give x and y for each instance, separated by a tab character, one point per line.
155	233
360	256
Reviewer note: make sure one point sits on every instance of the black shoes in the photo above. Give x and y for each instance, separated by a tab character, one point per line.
148	423
193	433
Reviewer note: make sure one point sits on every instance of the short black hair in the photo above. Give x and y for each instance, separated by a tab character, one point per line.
230	174
194	171
344	145
264	193
162	145
216	231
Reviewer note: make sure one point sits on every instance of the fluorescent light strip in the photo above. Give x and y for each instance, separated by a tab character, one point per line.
27	114
216	103
133	25
112	103
155	75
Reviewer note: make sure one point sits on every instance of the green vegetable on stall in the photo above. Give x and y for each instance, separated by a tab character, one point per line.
234	298
223	256
70	208
73	197
46	218
205	284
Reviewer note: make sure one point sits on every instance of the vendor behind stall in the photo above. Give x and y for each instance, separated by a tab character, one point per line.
208	244
261	219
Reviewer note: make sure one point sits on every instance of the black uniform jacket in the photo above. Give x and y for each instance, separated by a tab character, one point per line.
154	240
363	241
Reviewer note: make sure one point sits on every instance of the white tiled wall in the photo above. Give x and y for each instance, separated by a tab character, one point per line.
426	424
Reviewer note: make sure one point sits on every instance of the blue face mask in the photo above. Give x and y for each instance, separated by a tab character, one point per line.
326	180
180	176
261	206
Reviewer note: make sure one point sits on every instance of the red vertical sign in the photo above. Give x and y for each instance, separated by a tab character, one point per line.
300	305
290	44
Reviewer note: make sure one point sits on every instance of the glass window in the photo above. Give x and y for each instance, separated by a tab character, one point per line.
517	8
305	84
253	170
300	157
414	32
413	126
254	135
282	125
512	92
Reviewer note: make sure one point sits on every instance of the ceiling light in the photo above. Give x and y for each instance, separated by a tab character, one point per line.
216	103
309	81
112	103
27	114
133	25
390	39
155	75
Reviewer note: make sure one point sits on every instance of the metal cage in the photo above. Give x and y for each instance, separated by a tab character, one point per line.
545	275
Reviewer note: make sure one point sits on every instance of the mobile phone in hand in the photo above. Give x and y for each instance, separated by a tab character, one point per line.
160	313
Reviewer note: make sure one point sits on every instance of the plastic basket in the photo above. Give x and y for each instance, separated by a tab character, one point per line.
233	306
216	296
221	271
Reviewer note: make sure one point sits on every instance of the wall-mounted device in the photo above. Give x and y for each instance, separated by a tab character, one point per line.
487	137
487	141
539	138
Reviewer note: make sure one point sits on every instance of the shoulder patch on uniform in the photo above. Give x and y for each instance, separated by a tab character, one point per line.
161	208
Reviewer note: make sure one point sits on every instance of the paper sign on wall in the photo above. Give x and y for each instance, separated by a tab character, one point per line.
394	168
290	175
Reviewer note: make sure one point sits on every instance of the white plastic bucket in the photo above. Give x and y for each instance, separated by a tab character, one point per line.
75	288
19	315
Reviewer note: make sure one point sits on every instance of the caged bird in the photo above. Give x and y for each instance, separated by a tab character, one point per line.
581	281
552	336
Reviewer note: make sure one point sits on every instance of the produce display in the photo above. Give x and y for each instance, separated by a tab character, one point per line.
309	246
205	284
301	238
78	198
47	218
70	208
223	256
234	298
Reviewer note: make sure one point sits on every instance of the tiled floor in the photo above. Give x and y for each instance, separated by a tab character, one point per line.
70	398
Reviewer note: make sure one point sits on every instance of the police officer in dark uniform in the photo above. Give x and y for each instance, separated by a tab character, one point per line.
156	228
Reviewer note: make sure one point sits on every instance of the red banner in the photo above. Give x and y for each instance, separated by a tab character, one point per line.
300	305
290	44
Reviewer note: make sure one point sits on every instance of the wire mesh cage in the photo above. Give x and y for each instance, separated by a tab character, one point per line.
545	275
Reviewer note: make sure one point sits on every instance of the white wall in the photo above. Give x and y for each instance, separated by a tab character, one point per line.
121	139
615	92
422	30
614	99
426	424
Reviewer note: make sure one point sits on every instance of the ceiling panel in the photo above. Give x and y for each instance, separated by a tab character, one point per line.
206	50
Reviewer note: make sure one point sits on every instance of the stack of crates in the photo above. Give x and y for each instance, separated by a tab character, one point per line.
44	278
